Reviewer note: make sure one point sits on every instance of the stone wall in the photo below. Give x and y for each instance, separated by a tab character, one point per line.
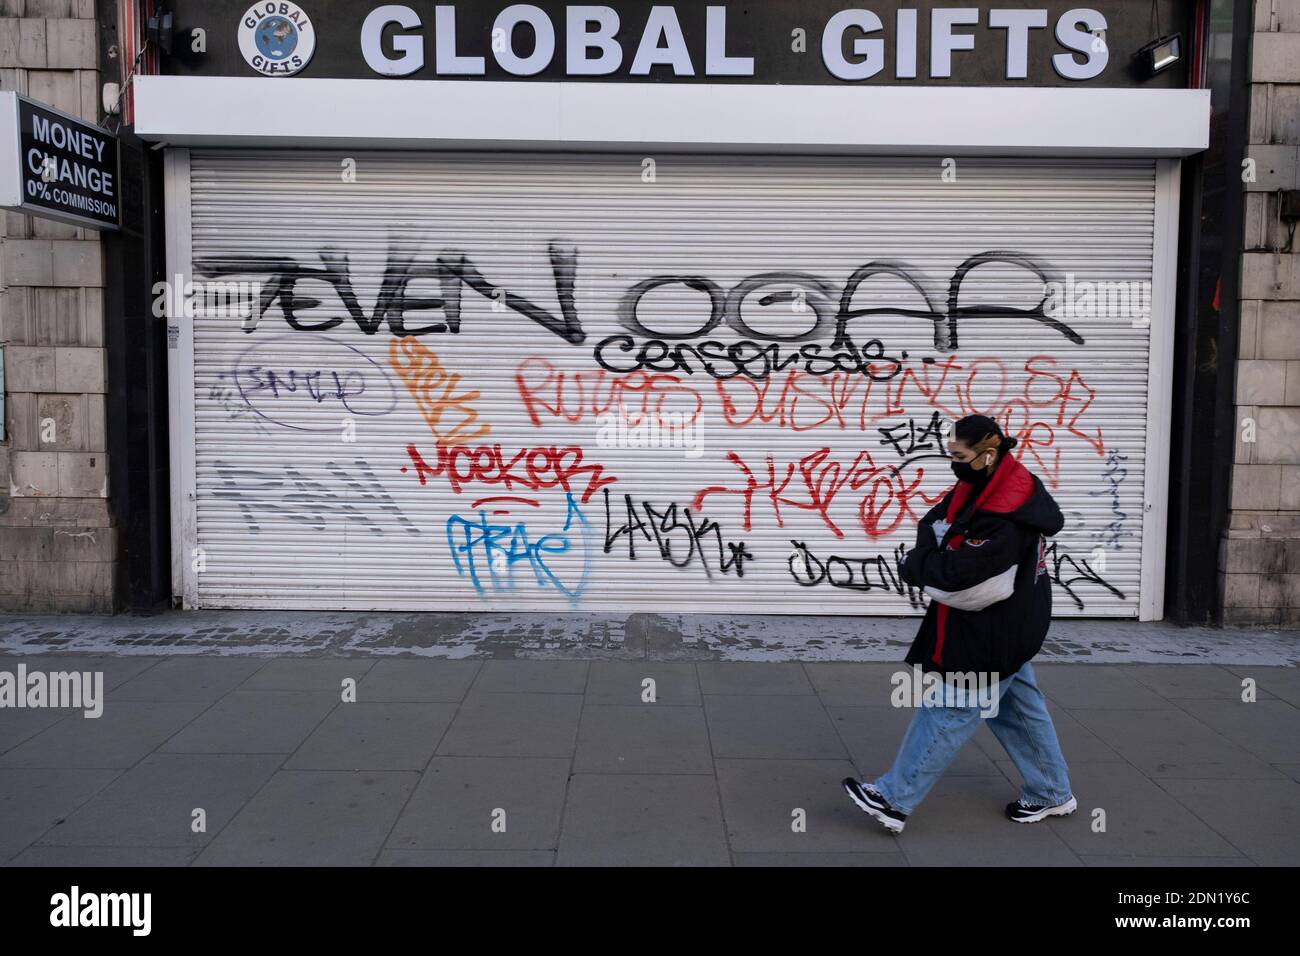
56	539
1259	556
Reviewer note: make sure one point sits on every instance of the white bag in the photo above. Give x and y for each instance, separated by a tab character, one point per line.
978	596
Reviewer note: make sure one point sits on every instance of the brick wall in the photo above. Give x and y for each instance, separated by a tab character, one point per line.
1259	557
56	539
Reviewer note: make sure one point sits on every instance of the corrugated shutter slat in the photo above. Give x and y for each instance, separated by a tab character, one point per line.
307	496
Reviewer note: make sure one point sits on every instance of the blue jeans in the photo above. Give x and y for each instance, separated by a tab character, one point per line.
1022	725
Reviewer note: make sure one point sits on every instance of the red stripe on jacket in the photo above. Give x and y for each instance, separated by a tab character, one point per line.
1009	488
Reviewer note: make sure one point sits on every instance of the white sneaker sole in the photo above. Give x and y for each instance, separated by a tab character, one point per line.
1064	810
889	823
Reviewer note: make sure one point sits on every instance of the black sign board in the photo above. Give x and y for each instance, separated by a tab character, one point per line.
66	168
1087	43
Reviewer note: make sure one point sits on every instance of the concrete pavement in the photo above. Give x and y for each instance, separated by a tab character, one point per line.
531	742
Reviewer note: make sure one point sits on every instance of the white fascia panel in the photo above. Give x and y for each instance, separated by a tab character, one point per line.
925	120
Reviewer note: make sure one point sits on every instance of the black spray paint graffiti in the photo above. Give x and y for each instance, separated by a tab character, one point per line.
236	407
879	572
1078	572
342	378
814	294
1114	475
293	497
454	270
310	501
882	573
911	443
755	360
692	530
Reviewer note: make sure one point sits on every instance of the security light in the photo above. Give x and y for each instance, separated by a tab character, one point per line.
1160	55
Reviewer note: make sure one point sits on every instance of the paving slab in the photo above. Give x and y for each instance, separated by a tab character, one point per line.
624	682
1173	743
253	722
535	677
643	738
1122	813
313	818
514	725
1087	686
309	674
795	806
188	679
407	679
642	820
853	683
750	678
115	856
820	859
1267	833
484	803
1283	682
1191	681
1269	729
34	800
124	734
378	736
19	725
1175	861
1291	770
962	823
427	858
117	669
153	804
785	726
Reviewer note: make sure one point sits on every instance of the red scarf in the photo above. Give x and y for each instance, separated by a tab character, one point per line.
1008	489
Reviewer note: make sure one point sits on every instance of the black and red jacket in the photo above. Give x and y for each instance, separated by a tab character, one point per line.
1004	525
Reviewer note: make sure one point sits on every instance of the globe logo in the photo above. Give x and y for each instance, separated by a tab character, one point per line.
276	37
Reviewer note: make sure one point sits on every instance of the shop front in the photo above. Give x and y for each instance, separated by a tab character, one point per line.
659	308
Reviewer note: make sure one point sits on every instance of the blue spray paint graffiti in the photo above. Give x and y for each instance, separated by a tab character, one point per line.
487	553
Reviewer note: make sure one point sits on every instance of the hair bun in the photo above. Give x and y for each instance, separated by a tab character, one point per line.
1009	443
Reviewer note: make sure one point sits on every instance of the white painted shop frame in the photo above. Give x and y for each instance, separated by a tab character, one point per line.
1160	390
741	118
789	119
180	379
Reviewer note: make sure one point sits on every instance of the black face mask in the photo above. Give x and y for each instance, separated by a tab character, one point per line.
965	472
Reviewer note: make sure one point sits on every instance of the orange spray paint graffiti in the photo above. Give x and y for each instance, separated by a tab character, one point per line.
450	413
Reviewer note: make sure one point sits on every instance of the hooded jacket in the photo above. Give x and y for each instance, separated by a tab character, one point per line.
991	529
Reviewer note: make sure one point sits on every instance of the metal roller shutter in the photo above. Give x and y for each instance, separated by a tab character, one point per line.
354	466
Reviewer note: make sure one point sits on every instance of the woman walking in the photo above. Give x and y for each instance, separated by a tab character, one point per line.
980	556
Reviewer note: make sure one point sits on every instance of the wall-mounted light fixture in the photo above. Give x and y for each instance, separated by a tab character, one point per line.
1160	55
112	97
159	30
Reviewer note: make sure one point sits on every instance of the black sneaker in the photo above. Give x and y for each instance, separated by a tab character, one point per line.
1022	812
874	804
